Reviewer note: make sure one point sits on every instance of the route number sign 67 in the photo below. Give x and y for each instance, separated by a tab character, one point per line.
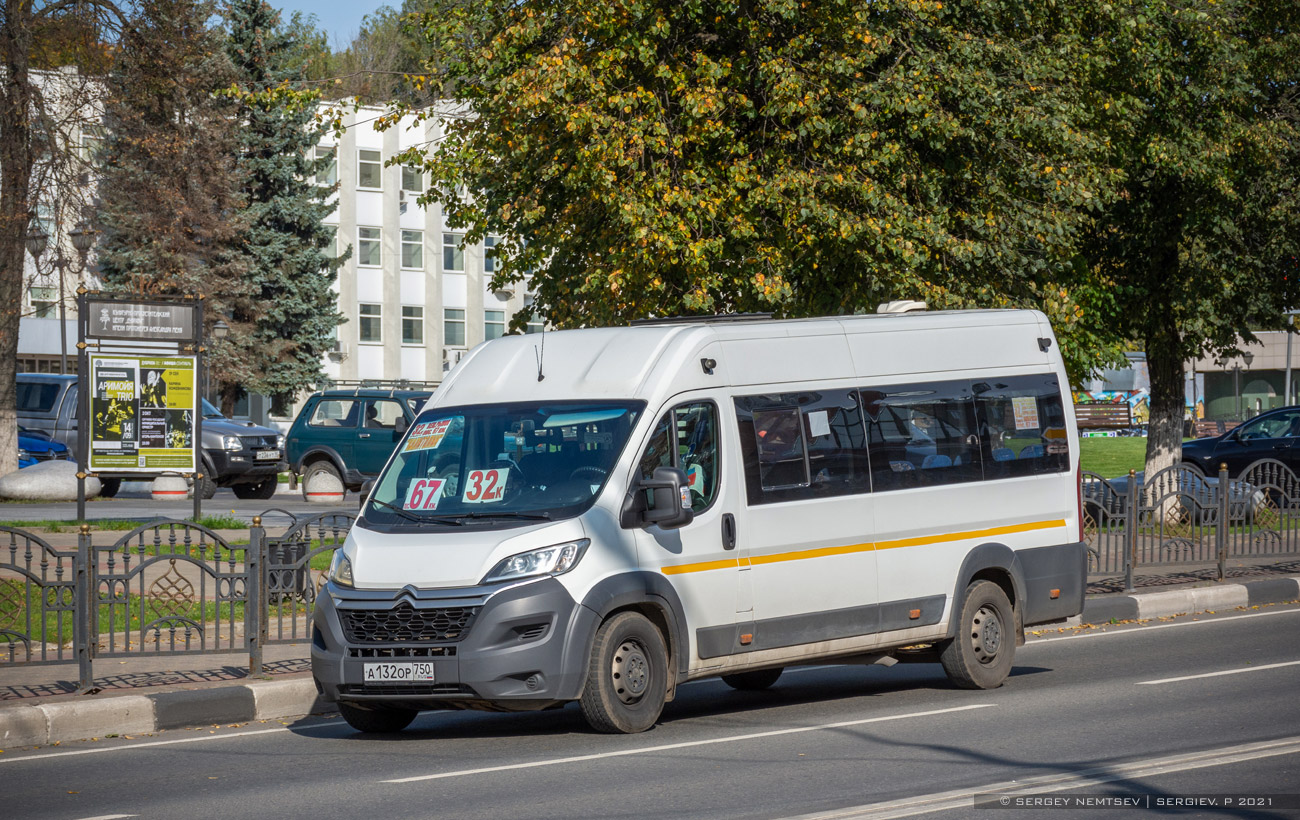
423	494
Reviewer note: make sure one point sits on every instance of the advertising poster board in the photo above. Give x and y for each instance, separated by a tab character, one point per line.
142	411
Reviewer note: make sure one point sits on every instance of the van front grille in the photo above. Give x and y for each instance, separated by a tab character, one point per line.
406	624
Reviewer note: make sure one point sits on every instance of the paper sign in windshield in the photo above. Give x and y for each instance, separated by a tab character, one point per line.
1025	409
427	436
423	494
485	486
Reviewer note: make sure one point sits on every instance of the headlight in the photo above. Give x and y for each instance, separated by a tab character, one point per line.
23	453
231	443
340	569
279	442
545	561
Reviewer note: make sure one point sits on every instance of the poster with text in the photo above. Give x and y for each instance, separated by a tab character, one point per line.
142	411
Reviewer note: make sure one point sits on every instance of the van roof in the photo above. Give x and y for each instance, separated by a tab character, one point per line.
647	361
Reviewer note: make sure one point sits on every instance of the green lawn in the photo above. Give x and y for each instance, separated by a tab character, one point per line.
1111	457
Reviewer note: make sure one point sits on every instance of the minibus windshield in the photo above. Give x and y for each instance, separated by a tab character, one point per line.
500	463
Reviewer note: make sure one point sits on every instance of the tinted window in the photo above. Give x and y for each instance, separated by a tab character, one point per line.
1022	426
37	397
686	437
921	434
382	414
802	445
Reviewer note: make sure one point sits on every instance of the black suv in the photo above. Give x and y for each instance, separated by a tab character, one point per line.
350	432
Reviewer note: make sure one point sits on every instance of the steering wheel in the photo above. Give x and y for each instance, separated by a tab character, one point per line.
516	479
594	472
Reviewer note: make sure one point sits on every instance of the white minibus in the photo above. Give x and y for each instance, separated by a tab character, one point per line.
601	515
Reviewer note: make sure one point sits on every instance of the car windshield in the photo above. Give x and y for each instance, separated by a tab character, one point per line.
210	411
501	463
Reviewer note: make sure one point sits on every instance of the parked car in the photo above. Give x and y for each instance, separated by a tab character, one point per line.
1107	501
1275	434
350	433
36	446
240	455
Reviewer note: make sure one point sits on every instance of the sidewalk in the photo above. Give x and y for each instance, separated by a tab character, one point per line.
146	694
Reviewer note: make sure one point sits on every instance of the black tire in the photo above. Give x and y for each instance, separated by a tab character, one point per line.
627	676
109	487
205	487
981	655
317	468
263	489
753	681
378	719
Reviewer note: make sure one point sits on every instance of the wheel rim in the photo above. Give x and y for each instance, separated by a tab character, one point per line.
986	634
630	671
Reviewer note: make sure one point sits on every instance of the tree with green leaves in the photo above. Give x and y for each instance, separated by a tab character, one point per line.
290	266
171	205
657	158
1200	244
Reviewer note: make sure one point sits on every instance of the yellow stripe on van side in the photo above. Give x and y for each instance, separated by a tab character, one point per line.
962	536
703	566
817	553
822	552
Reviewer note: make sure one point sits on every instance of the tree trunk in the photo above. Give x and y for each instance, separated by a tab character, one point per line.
15	209
1165	425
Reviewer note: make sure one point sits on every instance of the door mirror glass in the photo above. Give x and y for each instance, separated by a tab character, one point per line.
663	500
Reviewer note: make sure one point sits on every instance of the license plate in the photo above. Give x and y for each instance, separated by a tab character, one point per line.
397	672
268	455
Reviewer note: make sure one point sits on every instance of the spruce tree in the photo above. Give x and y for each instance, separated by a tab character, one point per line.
290	260
171	202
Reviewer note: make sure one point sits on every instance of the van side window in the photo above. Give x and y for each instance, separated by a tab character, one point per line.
686	437
37	397
921	434
802	445
1022	426
335	413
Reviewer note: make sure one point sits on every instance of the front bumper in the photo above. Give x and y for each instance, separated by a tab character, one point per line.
523	647
243	466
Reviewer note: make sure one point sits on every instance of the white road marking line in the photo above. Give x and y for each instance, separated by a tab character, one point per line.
1144	627
109	816
1217	674
684	745
152	743
963	799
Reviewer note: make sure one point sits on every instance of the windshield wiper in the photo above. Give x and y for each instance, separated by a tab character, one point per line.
403	513
529	516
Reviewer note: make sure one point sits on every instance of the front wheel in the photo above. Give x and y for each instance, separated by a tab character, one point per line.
263	489
377	720
980	655
108	487
627	676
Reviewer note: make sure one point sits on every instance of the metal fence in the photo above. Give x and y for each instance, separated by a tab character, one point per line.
1181	516
165	588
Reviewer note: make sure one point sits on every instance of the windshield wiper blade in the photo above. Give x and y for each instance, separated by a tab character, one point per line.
530	516
403	513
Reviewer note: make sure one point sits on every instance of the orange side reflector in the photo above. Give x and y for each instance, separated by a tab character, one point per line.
1056	593
747	639
914	614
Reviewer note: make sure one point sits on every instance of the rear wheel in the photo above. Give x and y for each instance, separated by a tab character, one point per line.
377	719
627	676
205	487
263	489
753	681
980	656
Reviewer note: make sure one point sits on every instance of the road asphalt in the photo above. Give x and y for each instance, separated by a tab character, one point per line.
146	694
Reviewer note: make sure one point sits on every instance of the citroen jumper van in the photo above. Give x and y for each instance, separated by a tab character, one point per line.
601	515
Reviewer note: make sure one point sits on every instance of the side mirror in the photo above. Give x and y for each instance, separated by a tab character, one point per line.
669	503
365	493
400	427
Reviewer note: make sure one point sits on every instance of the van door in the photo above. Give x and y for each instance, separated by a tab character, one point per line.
703	559
809	518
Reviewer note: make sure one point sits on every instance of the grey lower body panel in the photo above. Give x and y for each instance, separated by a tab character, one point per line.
524	647
1055	581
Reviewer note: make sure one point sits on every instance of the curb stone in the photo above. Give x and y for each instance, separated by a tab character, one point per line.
41	725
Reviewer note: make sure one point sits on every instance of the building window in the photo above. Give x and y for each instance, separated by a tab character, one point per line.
370	169
412	180
453	255
413	249
371	323
489	255
412	325
453	327
92	143
327	165
534	326
45	303
494	324
368	247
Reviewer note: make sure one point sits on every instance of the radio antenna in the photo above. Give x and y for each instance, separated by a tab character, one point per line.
540	352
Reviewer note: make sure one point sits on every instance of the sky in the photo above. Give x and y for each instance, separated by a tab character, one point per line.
340	19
